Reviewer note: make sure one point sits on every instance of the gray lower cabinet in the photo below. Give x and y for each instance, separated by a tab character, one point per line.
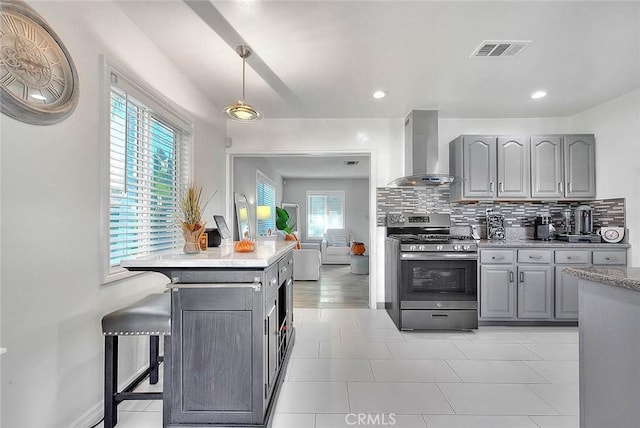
232	333
566	294
535	292
497	292
530	285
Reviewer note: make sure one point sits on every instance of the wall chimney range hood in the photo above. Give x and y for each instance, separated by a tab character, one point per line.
421	151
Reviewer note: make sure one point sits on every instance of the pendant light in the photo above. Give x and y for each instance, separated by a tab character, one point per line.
241	110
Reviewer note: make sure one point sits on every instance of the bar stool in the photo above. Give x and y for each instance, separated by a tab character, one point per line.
150	316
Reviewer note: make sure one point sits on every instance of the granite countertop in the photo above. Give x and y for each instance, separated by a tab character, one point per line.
224	256
533	243
624	277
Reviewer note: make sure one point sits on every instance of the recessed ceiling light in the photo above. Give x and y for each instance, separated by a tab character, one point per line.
538	94
379	94
38	97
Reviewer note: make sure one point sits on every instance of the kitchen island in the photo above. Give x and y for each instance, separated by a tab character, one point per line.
609	321
231	333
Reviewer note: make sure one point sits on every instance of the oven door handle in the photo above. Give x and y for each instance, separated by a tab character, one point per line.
439	256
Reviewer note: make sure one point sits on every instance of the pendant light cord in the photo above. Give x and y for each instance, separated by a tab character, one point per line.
244	61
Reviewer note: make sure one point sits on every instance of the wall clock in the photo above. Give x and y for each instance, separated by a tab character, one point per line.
38	80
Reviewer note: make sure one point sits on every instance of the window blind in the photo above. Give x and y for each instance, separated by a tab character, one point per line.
325	210
148	168
265	197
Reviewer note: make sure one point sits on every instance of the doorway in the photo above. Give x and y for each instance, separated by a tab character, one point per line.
297	176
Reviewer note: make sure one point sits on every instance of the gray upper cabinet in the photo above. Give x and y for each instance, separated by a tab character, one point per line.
479	167
579	166
552	167
563	167
547	179
513	167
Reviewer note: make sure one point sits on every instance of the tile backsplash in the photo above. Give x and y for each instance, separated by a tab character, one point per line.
396	200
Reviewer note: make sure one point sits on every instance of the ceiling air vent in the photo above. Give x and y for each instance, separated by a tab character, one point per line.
351	163
500	48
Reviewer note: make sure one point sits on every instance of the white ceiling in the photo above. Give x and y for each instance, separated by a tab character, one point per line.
324	59
324	167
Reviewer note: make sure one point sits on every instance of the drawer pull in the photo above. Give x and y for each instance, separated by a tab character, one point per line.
611	258
536	257
497	257
569	258
439	315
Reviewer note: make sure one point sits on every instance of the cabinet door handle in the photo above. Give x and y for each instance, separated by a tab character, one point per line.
501	187
521	276
570	188
560	187
510	276
491	186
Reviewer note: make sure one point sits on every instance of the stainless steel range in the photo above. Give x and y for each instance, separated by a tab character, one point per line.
431	275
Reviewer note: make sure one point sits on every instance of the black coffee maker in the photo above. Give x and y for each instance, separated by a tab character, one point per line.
544	228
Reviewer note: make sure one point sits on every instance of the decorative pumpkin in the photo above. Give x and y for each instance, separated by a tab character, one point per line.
244	246
357	248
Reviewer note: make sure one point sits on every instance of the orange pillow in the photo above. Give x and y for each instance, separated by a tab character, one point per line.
292	237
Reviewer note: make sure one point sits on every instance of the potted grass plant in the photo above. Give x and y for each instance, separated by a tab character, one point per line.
190	218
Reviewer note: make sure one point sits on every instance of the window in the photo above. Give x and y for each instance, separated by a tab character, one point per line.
148	167
265	205
325	210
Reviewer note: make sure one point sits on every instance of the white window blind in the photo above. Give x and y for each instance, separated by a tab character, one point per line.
325	210
148	168
265	197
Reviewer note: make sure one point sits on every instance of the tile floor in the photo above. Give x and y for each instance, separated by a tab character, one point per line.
348	362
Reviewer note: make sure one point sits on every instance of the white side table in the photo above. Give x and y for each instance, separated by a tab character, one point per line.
360	265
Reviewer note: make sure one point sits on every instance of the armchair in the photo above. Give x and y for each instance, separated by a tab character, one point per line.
335	247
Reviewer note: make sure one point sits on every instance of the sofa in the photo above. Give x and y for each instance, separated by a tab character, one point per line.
306	261
335	247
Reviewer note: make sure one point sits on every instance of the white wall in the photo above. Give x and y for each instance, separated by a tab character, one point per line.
52	301
616	125
356	203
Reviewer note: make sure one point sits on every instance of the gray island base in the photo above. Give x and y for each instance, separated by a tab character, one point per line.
609	321
231	334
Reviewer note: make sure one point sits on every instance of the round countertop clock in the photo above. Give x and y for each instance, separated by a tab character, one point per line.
611	233
38	80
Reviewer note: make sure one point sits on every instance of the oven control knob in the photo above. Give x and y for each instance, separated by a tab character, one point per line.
422	248
412	248
439	305
466	247
457	247
439	247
